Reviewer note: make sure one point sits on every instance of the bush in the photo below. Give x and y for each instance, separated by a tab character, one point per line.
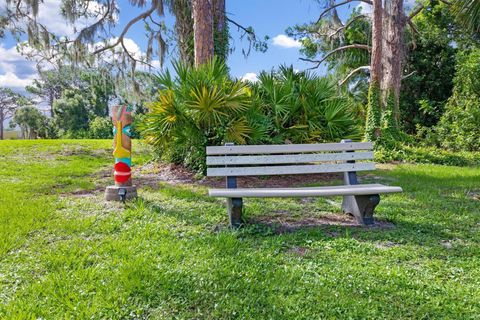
459	127
100	128
204	106
299	107
199	106
412	154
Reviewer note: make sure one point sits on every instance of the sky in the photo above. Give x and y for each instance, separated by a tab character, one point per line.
267	17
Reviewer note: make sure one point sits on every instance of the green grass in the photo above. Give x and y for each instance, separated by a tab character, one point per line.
69	255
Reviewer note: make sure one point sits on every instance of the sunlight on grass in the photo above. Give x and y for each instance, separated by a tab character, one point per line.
168	254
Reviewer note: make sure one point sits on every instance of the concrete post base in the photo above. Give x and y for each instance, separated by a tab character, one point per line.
111	193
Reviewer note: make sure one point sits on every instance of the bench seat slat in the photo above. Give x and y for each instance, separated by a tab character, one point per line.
294	169
287	148
288	158
360	189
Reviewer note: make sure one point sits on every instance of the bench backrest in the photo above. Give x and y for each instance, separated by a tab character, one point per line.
256	160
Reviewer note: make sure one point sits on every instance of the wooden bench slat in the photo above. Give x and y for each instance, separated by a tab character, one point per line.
287	148
294	169
360	189
288	158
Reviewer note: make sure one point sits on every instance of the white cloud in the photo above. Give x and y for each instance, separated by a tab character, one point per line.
11	80
15	70
49	14
250	76
284	41
364	8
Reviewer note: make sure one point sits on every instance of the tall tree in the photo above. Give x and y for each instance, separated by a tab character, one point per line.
30	121
203	30
9	102
50	85
386	45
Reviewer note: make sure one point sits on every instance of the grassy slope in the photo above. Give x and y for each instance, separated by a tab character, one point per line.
71	256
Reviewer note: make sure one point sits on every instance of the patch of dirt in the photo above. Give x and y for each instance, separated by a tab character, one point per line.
284	223
474	194
385	244
298	251
153	173
449	244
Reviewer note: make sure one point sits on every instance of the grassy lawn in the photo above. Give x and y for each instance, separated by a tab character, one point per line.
66	254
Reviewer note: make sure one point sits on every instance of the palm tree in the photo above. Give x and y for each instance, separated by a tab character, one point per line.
468	14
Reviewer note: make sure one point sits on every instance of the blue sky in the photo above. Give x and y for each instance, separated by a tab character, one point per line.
267	17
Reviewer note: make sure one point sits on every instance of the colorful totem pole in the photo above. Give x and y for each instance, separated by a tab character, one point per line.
122	144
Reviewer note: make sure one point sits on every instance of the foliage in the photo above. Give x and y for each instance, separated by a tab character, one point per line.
204	106
468	14
407	153
200	106
372	126
48	129
30	120
95	28
100	128
168	255
299	107
51	83
319	38
431	65
72	113
459	127
10	101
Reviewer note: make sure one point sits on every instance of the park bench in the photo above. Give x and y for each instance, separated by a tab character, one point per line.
232	161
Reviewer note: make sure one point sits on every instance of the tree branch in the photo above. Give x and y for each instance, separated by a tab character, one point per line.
338	5
132	57
125	30
415	11
350	46
246	30
412	26
409	75
347	24
362	68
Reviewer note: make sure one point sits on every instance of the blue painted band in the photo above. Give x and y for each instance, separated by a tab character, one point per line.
124	160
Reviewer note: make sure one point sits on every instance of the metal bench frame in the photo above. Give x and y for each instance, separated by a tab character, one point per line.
231	161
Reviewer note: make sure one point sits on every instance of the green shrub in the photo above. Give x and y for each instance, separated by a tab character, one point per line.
433	155
199	106
459	127
299	107
204	106
100	128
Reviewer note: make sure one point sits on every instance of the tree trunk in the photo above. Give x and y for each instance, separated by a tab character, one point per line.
50	101
374	103
377	41
182	9
1	126
202	31
220	30
393	56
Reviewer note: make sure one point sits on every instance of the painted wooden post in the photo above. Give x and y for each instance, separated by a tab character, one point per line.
122	144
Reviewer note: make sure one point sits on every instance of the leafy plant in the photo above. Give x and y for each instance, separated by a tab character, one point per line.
304	108
100	128
198	107
204	106
458	128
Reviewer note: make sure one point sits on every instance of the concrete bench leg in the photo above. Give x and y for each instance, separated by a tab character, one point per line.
361	207
234	209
